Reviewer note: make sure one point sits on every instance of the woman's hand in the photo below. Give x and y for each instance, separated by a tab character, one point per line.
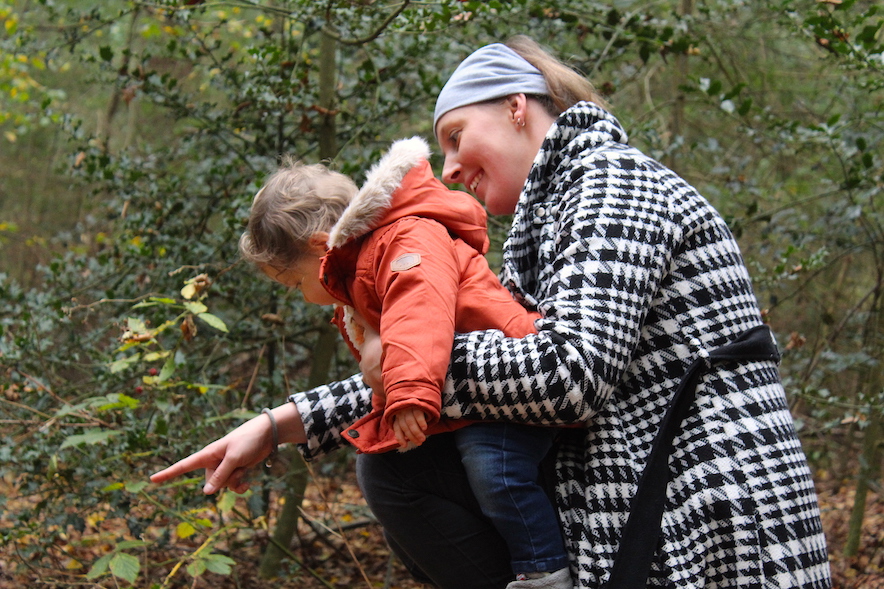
228	460
372	357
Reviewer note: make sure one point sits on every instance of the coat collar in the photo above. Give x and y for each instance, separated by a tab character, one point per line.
580	129
375	197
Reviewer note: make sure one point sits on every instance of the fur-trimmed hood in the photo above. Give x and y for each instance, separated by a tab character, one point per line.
402	184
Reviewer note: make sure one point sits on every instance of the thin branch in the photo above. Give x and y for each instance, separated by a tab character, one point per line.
372	36
343	538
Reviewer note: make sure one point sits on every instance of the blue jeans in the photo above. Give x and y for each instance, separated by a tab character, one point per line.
431	517
502	461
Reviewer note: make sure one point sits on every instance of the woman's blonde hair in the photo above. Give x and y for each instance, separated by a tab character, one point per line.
566	86
297	201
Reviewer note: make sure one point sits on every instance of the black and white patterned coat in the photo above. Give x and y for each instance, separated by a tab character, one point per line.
635	275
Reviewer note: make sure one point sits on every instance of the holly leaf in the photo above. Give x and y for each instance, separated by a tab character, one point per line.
92	436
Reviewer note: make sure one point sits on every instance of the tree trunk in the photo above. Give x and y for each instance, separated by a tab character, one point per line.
871	381
297	478
676	124
868	472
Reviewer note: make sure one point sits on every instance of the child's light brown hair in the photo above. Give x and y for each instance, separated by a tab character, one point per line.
296	201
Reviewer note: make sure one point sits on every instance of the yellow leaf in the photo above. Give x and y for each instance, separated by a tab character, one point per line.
73	564
185	530
188	291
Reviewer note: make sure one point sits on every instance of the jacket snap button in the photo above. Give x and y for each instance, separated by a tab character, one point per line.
352	433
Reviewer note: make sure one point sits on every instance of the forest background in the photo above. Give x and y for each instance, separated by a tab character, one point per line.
133	135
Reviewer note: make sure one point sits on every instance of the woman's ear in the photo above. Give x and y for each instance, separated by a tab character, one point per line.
517	106
319	243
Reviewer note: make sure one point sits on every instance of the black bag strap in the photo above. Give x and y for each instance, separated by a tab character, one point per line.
639	536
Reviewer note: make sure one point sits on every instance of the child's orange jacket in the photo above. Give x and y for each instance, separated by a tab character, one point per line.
408	255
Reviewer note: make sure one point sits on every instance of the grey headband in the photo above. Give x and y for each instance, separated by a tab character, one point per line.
494	71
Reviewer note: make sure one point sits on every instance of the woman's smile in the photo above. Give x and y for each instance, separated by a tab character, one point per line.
475	183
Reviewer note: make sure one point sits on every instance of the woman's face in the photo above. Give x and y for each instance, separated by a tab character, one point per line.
487	152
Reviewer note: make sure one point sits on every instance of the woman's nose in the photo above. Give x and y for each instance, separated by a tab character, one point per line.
451	171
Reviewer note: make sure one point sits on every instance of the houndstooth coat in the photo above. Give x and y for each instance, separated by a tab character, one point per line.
635	275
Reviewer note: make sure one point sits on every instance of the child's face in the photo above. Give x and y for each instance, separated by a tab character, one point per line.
303	276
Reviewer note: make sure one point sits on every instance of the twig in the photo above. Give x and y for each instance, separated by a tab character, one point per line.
70	310
202	547
254	376
340	531
371	36
300	563
314	523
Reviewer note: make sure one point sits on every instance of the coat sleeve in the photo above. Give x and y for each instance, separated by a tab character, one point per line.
416	278
593	260
416	329
328	410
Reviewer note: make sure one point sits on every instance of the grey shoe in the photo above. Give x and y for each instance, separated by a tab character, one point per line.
560	579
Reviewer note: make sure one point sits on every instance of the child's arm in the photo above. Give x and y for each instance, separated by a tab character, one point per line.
409	425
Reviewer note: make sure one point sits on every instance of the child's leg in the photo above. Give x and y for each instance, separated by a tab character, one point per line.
502	463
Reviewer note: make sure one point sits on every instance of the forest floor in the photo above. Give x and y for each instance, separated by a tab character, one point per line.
355	555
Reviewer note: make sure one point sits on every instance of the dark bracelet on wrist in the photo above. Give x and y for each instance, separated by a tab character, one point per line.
269	462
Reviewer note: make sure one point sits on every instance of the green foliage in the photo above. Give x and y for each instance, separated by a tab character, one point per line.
24	101
142	337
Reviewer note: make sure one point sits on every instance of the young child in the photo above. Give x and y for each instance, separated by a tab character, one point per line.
407	254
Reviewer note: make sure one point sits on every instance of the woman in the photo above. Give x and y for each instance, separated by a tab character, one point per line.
639	282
